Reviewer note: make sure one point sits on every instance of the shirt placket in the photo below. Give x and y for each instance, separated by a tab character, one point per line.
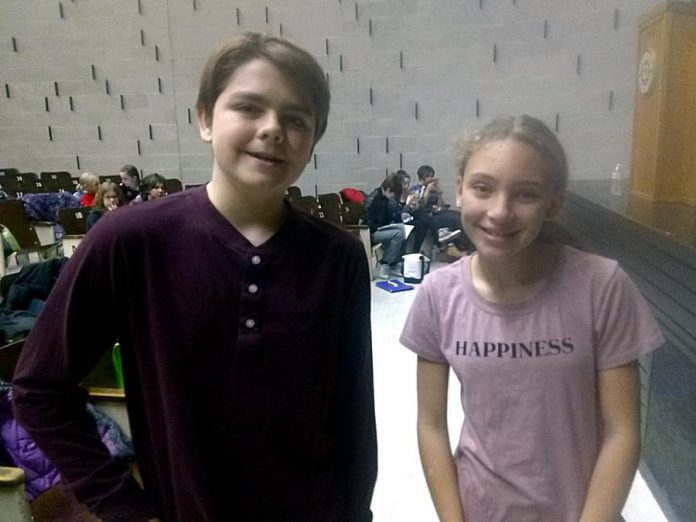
251	298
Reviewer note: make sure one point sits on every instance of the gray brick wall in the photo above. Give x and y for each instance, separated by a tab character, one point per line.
116	80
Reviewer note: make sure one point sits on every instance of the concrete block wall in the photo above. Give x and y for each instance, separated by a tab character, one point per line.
95	84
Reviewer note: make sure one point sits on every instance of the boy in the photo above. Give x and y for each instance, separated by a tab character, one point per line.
243	324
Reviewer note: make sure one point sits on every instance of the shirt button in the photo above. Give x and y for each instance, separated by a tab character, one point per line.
249	323
253	288
255	259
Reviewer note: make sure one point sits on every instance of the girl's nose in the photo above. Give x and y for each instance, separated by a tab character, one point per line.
500	208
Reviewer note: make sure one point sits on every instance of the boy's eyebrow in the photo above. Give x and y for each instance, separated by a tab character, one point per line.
482	176
256	97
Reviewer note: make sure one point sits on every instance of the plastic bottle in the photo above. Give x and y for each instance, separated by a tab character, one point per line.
617	180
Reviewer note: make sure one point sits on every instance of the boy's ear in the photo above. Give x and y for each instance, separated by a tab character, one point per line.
205	125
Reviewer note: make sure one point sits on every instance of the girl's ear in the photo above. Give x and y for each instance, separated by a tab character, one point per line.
556	205
205	125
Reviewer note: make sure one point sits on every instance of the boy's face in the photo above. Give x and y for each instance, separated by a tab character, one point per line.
261	130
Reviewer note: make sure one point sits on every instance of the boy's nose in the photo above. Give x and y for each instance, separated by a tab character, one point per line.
271	127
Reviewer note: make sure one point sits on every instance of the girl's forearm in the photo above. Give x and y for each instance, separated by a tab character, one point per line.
611	478
440	473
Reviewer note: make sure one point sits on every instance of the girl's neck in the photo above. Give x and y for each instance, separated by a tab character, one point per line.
257	216
516	280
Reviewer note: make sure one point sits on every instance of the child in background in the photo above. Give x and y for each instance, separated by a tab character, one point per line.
130	183
544	339
107	198
151	188
243	324
87	188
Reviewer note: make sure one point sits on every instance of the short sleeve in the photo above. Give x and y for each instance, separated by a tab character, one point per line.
625	326
421	332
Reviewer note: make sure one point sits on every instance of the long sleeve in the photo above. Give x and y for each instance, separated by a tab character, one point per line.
69	337
359	451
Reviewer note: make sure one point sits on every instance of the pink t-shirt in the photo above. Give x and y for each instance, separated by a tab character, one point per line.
528	374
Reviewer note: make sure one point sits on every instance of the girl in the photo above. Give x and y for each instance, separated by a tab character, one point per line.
152	187
544	339
107	198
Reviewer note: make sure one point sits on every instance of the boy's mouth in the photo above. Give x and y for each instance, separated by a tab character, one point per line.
265	157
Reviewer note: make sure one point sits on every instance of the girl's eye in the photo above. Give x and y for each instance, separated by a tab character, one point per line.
528	195
481	190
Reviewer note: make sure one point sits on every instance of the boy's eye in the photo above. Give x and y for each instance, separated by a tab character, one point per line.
247	108
298	121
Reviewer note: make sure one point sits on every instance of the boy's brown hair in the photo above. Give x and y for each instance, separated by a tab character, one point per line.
300	67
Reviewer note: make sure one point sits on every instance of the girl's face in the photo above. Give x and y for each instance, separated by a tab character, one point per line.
506	195
157	191
110	200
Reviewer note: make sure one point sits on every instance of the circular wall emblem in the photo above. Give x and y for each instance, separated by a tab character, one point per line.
646	71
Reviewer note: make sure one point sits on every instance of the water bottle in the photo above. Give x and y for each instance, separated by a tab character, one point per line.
617	180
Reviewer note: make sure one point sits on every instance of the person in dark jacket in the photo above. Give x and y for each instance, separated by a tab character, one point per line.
385	224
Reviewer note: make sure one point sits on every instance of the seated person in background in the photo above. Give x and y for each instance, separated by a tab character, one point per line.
381	213
130	183
431	214
89	183
107	198
152	187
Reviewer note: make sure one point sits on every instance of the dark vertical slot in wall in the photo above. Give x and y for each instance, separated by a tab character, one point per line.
140	7
194	5
369	27
77	162
611	100
328	84
401	59
94	72
70	103
401	160
106	87
280	30
7	90
578	64
386	145
370	95
267	17
238	15
99	133
157	53
14	44
142	37
546	29
356	10
50	133
159	85
315	162
415	110
557	123
340	62
55	88
123	103
616	18
138	143
357	145
60	10
149	131
188	115
478	108
326	46
48	109
495	53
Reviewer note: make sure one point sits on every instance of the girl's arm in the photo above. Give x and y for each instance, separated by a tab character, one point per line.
433	440
619	404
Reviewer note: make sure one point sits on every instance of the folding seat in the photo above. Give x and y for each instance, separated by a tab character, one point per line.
74	223
55	181
172	185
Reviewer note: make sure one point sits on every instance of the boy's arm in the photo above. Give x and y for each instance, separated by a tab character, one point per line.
619	398
358	447
433	440
65	343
